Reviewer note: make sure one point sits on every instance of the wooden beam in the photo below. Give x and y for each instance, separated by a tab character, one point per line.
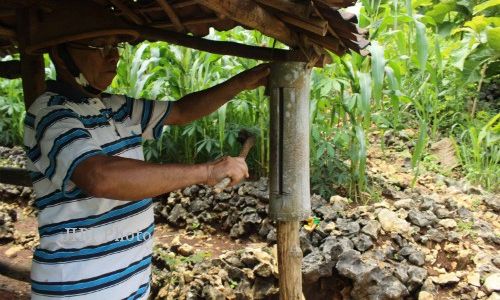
221	47
15	176
328	42
128	12
289	260
184	4
7	32
292	8
10	69
172	15
319	27
338	3
14	270
248	13
32	66
7	13
199	21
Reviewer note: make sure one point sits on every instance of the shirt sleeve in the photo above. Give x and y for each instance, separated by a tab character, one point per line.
60	143
151	114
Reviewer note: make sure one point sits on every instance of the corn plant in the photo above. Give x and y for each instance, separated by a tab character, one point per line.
479	150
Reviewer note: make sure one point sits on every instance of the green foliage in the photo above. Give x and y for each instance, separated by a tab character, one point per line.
428	61
11	112
479	150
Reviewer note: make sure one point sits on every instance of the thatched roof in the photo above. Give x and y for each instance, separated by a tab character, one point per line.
308	27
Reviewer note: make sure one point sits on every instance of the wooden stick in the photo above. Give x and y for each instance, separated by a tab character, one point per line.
220	47
172	15
127	11
10	69
250	14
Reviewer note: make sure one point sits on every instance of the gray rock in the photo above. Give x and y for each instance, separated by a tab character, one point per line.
177	217
211	293
305	243
464	213
352	266
251	220
315	266
401	272
222	196
191	191
263	288
377	284
198	205
238	230
271	237
454	237
407	203
362	242
443	213
493	202
417	258
263	270
416	277
371	228
265	227
496	261
435	235
327	212
347	226
249	259
333	247
422	219
427	204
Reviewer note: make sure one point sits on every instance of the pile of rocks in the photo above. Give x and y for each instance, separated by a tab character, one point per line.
416	246
247	274
14	157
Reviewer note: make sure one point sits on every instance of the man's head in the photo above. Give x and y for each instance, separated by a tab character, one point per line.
94	58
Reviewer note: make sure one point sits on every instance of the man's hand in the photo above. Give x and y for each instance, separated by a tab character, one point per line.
254	77
233	167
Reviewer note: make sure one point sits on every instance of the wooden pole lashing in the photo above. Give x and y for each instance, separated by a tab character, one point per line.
289	168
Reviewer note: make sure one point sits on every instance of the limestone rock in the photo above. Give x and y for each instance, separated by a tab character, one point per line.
390	222
492	283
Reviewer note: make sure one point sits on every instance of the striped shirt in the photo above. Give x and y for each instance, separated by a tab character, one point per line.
90	248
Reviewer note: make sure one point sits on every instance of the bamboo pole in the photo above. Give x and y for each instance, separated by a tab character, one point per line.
289	168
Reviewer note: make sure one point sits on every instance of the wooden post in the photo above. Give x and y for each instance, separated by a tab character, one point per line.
32	66
289	170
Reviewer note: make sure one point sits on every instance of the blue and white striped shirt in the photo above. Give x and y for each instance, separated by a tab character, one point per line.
90	248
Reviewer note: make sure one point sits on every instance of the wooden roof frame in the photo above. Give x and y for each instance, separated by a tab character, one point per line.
309	28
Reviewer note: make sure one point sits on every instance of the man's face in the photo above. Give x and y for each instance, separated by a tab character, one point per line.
97	65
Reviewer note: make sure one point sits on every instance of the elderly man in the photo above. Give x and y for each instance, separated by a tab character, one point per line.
93	188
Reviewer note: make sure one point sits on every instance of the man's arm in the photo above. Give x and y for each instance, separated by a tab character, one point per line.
129	179
199	104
